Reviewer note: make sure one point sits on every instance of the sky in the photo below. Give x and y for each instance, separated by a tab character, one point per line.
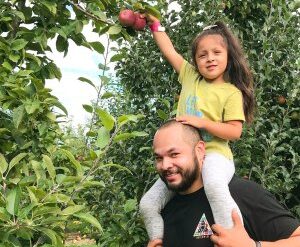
79	62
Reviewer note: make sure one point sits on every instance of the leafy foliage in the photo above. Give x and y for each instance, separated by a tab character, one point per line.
51	177
41	173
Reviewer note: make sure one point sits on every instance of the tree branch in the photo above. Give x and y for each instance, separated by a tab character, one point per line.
94	17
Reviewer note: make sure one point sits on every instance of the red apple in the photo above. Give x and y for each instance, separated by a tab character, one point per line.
140	22
281	100
127	18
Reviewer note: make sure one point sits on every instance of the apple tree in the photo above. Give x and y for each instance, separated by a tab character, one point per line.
42	175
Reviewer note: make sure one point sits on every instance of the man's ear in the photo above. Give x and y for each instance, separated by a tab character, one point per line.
200	152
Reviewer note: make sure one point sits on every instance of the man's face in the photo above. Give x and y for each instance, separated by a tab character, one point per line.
176	161
188	177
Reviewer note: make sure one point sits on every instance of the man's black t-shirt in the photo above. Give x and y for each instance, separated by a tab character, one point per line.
188	218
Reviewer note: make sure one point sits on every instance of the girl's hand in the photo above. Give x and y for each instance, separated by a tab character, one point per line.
150	18
197	122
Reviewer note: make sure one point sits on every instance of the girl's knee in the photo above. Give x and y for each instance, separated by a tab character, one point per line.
146	205
218	189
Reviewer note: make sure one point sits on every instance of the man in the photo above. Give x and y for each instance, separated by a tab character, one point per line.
188	220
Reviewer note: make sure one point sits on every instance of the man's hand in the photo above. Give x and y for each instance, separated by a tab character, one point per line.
195	121
234	237
155	243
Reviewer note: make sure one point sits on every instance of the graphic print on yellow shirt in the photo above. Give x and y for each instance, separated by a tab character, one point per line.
191	109
219	102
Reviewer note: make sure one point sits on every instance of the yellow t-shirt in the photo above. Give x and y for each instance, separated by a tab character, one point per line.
218	102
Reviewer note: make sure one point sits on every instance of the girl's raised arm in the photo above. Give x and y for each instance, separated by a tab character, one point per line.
166	46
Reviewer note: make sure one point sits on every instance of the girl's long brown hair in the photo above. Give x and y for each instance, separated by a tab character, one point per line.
237	71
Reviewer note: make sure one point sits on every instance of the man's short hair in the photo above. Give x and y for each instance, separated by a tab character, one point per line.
191	134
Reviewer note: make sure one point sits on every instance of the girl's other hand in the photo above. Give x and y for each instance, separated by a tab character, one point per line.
197	122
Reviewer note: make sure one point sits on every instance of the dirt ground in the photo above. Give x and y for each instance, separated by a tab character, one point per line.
76	239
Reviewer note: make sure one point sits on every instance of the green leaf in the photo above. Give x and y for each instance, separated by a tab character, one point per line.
87	81
162	114
50	234
4	131
115	29
62	44
129	118
123	137
72	209
107	120
18	44
3	164
18	115
60	31
79	26
51	116
103	67
39	172
19	14
88	108
23	212
61	198
4	215
104	79
89	219
117	57
16	160
91	134
52	7
24	233
103	138
71	157
107	95
153	11
32	106
13	200
46	210
32	196
60	106
127	135
98	47
14	57
7	65
117	166
24	73
87	184
54	71
50	167
34	58
130	205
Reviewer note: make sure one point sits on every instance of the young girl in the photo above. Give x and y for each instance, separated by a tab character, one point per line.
216	97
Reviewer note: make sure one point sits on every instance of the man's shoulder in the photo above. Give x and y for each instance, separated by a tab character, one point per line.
241	184
245	191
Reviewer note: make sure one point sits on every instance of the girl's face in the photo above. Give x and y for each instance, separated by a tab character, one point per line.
212	57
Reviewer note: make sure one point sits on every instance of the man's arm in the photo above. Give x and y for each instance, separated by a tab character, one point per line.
237	236
293	240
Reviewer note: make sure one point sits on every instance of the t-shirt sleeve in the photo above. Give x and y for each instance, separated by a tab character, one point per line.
233	108
265	219
187	73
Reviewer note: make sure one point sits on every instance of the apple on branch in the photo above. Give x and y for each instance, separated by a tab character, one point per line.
128	18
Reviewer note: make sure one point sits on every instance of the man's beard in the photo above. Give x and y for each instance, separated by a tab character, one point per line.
188	178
